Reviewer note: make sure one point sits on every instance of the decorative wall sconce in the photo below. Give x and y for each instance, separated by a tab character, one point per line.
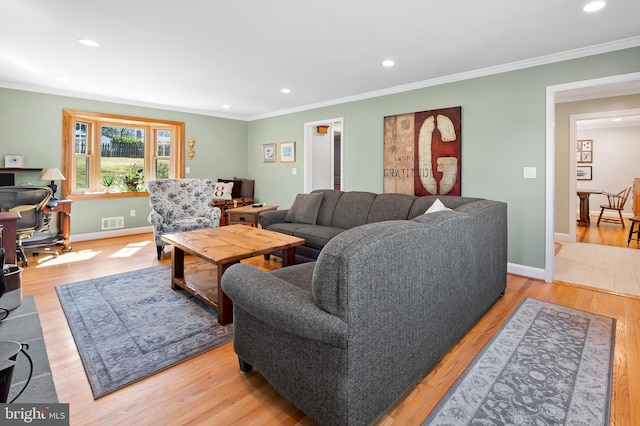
191	152
323	130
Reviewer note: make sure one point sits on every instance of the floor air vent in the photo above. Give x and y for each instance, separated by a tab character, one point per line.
112	222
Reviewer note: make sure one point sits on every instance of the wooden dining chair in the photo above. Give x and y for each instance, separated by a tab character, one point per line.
615	202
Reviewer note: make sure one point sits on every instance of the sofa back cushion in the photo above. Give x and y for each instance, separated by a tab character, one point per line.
390	206
246	189
352	209
329	199
304	209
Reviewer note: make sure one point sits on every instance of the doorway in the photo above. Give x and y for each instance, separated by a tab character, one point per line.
323	153
591	89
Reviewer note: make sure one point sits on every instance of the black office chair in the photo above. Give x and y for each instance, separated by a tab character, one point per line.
30	203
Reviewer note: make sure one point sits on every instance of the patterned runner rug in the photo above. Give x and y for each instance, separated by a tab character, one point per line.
130	326
547	365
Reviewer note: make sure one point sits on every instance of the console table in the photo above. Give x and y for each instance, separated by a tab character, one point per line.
63	208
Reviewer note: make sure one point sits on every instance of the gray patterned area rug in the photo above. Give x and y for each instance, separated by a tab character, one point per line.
130	326
547	365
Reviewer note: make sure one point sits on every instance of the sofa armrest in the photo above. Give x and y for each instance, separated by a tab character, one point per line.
282	305
270	217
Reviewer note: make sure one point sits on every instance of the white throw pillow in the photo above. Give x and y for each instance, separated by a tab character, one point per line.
437	206
222	190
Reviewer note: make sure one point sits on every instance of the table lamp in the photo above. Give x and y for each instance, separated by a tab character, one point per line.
53	174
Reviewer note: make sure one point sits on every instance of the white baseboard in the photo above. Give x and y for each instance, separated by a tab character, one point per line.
526	271
560	237
111	234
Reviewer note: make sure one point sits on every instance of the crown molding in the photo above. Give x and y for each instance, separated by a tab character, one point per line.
483	72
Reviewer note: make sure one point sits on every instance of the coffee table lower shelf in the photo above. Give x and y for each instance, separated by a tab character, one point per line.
221	248
203	289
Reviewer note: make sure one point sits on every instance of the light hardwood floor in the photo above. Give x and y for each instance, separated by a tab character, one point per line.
210	390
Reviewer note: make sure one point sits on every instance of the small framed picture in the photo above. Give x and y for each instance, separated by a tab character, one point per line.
288	152
13	161
584	151
584	172
269	153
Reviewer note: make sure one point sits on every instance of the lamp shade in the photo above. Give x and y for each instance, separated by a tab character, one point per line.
52	174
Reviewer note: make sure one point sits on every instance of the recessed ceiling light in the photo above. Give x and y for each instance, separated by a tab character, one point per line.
63	79
388	63
88	42
594	5
617	119
226	106
285	90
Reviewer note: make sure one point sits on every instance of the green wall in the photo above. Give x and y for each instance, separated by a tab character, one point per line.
31	124
503	130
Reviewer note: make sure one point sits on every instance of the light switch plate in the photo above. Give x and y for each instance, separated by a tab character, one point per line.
529	172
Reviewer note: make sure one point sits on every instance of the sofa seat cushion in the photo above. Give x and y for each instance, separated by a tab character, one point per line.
285	227
317	236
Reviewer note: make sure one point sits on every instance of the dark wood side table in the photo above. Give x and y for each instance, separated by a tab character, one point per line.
247	215
8	221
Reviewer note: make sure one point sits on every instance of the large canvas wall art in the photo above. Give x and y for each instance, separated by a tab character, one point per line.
422	152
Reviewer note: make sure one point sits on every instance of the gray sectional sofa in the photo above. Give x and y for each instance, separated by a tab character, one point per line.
344	337
339	211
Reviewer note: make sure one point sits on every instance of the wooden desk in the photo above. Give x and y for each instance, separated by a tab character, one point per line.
247	215
8	221
63	208
583	194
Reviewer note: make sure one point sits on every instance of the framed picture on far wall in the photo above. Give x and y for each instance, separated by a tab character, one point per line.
269	153
288	152
584	172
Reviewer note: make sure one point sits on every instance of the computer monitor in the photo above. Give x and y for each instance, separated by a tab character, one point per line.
7	179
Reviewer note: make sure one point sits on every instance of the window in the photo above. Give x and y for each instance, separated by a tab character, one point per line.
108	155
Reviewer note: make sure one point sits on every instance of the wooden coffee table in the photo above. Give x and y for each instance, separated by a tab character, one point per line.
223	247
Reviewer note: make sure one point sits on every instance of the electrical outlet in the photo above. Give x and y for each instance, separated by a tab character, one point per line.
187	170
132	213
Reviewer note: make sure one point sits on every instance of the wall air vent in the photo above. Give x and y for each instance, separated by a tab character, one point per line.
112	223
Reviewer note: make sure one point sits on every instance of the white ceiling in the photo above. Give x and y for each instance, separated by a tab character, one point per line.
196	55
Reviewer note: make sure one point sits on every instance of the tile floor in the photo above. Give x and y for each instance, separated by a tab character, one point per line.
610	268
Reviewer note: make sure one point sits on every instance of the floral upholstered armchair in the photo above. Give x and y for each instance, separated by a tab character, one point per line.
179	205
